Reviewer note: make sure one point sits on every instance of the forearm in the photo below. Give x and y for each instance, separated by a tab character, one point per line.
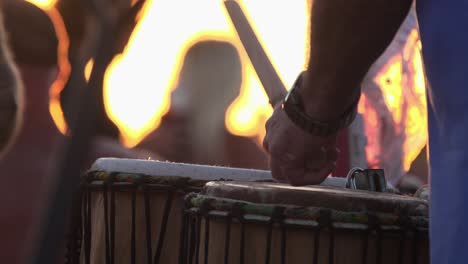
346	38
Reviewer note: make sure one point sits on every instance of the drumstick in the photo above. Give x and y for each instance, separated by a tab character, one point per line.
193	171
267	74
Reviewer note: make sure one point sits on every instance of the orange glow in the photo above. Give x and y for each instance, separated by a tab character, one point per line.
249	112
416	119
389	81
138	83
64	66
45	4
64	71
403	89
88	69
371	118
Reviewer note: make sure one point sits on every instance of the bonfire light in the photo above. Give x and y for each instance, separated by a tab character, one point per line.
139	82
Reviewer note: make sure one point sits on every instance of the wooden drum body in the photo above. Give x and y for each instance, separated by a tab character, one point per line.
238	222
131	210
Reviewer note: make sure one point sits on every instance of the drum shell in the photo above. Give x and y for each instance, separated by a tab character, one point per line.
104	227
151	199
239	222
300	245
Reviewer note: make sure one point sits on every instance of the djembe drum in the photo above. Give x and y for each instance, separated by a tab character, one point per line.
131	210
239	222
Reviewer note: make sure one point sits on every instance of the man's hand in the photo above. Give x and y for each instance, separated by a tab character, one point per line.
296	156
347	37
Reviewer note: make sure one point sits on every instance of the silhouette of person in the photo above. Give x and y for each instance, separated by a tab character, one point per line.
27	167
194	131
11	91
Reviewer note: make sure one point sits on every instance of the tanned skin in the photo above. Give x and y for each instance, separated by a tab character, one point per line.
346	38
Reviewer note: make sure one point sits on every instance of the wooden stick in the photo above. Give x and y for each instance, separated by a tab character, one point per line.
267	74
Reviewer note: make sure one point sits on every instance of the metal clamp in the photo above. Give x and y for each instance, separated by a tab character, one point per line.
366	179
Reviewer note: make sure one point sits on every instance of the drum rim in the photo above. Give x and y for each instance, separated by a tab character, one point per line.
205	204
155	168
98	178
340	199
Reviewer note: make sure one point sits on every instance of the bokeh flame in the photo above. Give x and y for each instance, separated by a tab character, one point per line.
45	4
402	83
139	82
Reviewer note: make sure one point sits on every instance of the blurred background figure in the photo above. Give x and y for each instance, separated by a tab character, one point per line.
11	94
82	32
194	130
82	27
26	166
30	163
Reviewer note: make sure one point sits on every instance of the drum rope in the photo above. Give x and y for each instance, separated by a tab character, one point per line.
207	238
199	211
268	241
183	240
375	223
190	234
87	228
106	219
162	232
237	213
242	243
276	217
269	234
325	223
316	244
405	226
283	242
132	235
112	218
374	226
227	238
109	184
197	223
146	192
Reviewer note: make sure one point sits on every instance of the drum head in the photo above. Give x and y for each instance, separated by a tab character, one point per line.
340	199
153	168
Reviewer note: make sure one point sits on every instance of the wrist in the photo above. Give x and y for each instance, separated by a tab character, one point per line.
321	125
324	101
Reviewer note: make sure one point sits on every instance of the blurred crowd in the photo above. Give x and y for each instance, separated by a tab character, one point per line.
193	131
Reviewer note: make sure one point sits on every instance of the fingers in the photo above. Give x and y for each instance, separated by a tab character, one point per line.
276	172
297	157
295	172
301	176
304	170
